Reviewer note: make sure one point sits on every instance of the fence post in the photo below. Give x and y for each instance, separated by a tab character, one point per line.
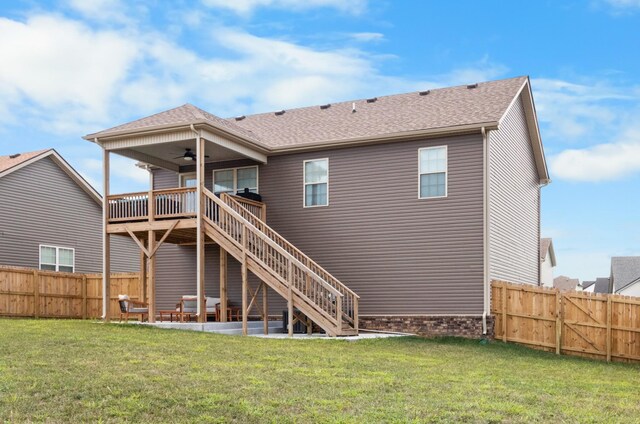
609	313
504	312
36	293
558	322
84	296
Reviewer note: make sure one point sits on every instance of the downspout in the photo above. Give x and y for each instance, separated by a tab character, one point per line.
485	227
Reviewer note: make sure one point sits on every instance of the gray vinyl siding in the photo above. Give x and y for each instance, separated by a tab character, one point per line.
41	204
401	254
514	202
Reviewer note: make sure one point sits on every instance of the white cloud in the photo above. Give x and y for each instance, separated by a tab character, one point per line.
367	37
602	162
572	110
245	7
60	70
623	4
101	10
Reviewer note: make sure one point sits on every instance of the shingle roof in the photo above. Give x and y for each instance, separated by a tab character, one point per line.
587	284
440	108
9	161
602	285
182	115
565	283
624	270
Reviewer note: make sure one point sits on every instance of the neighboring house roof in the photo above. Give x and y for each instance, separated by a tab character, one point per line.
546	247
601	285
587	284
12	163
565	283
625	271
444	110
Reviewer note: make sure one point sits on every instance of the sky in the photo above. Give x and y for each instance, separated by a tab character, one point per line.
73	67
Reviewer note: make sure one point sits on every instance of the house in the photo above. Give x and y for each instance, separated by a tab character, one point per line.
547	262
564	283
588	286
625	275
389	213
602	285
51	218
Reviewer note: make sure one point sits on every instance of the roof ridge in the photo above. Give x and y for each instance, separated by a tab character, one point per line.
452	87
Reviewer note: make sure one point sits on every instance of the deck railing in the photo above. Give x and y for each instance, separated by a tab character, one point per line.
240	225
168	203
349	298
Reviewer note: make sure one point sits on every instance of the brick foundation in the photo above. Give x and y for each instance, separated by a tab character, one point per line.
430	326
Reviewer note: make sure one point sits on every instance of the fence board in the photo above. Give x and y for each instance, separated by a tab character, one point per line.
598	326
32	293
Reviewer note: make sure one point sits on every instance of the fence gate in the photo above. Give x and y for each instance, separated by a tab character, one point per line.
584	324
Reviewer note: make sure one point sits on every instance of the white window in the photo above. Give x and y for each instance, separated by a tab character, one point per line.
54	258
316	182
433	172
235	180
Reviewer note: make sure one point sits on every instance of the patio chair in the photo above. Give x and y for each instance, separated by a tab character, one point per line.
132	307
189	306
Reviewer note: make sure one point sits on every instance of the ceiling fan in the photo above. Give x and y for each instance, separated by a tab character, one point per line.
189	155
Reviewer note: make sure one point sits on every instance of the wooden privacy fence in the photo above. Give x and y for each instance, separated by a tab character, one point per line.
601	326
28	292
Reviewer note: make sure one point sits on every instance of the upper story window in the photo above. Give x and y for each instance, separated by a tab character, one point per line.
433	172
235	180
53	258
316	182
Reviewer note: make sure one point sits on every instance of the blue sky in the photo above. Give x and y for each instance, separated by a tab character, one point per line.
72	67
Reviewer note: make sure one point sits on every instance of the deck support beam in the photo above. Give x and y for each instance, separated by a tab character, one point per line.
223	285
143	276
200	242
151	289
265	308
106	240
245	282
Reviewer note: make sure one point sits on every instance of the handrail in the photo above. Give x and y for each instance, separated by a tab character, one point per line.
167	203
350	299
262	226
250	205
273	244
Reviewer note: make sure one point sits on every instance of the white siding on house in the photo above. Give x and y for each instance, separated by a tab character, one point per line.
546	272
514	202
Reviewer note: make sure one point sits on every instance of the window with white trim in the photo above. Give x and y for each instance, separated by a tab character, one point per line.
53	258
316	182
433	172
235	180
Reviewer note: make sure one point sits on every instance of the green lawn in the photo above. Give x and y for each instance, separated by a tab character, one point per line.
70	371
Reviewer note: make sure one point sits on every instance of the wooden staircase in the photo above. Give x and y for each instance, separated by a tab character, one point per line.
292	274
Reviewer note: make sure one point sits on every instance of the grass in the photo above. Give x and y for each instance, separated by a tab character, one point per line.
72	371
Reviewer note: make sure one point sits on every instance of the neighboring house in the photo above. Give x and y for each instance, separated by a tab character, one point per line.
413	201
547	262
565	283
588	286
602	285
625	275
51	218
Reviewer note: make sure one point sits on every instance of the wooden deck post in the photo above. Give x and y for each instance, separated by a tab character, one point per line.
223	285
151	289
245	282
290	299
106	239
143	275
200	242
265	308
